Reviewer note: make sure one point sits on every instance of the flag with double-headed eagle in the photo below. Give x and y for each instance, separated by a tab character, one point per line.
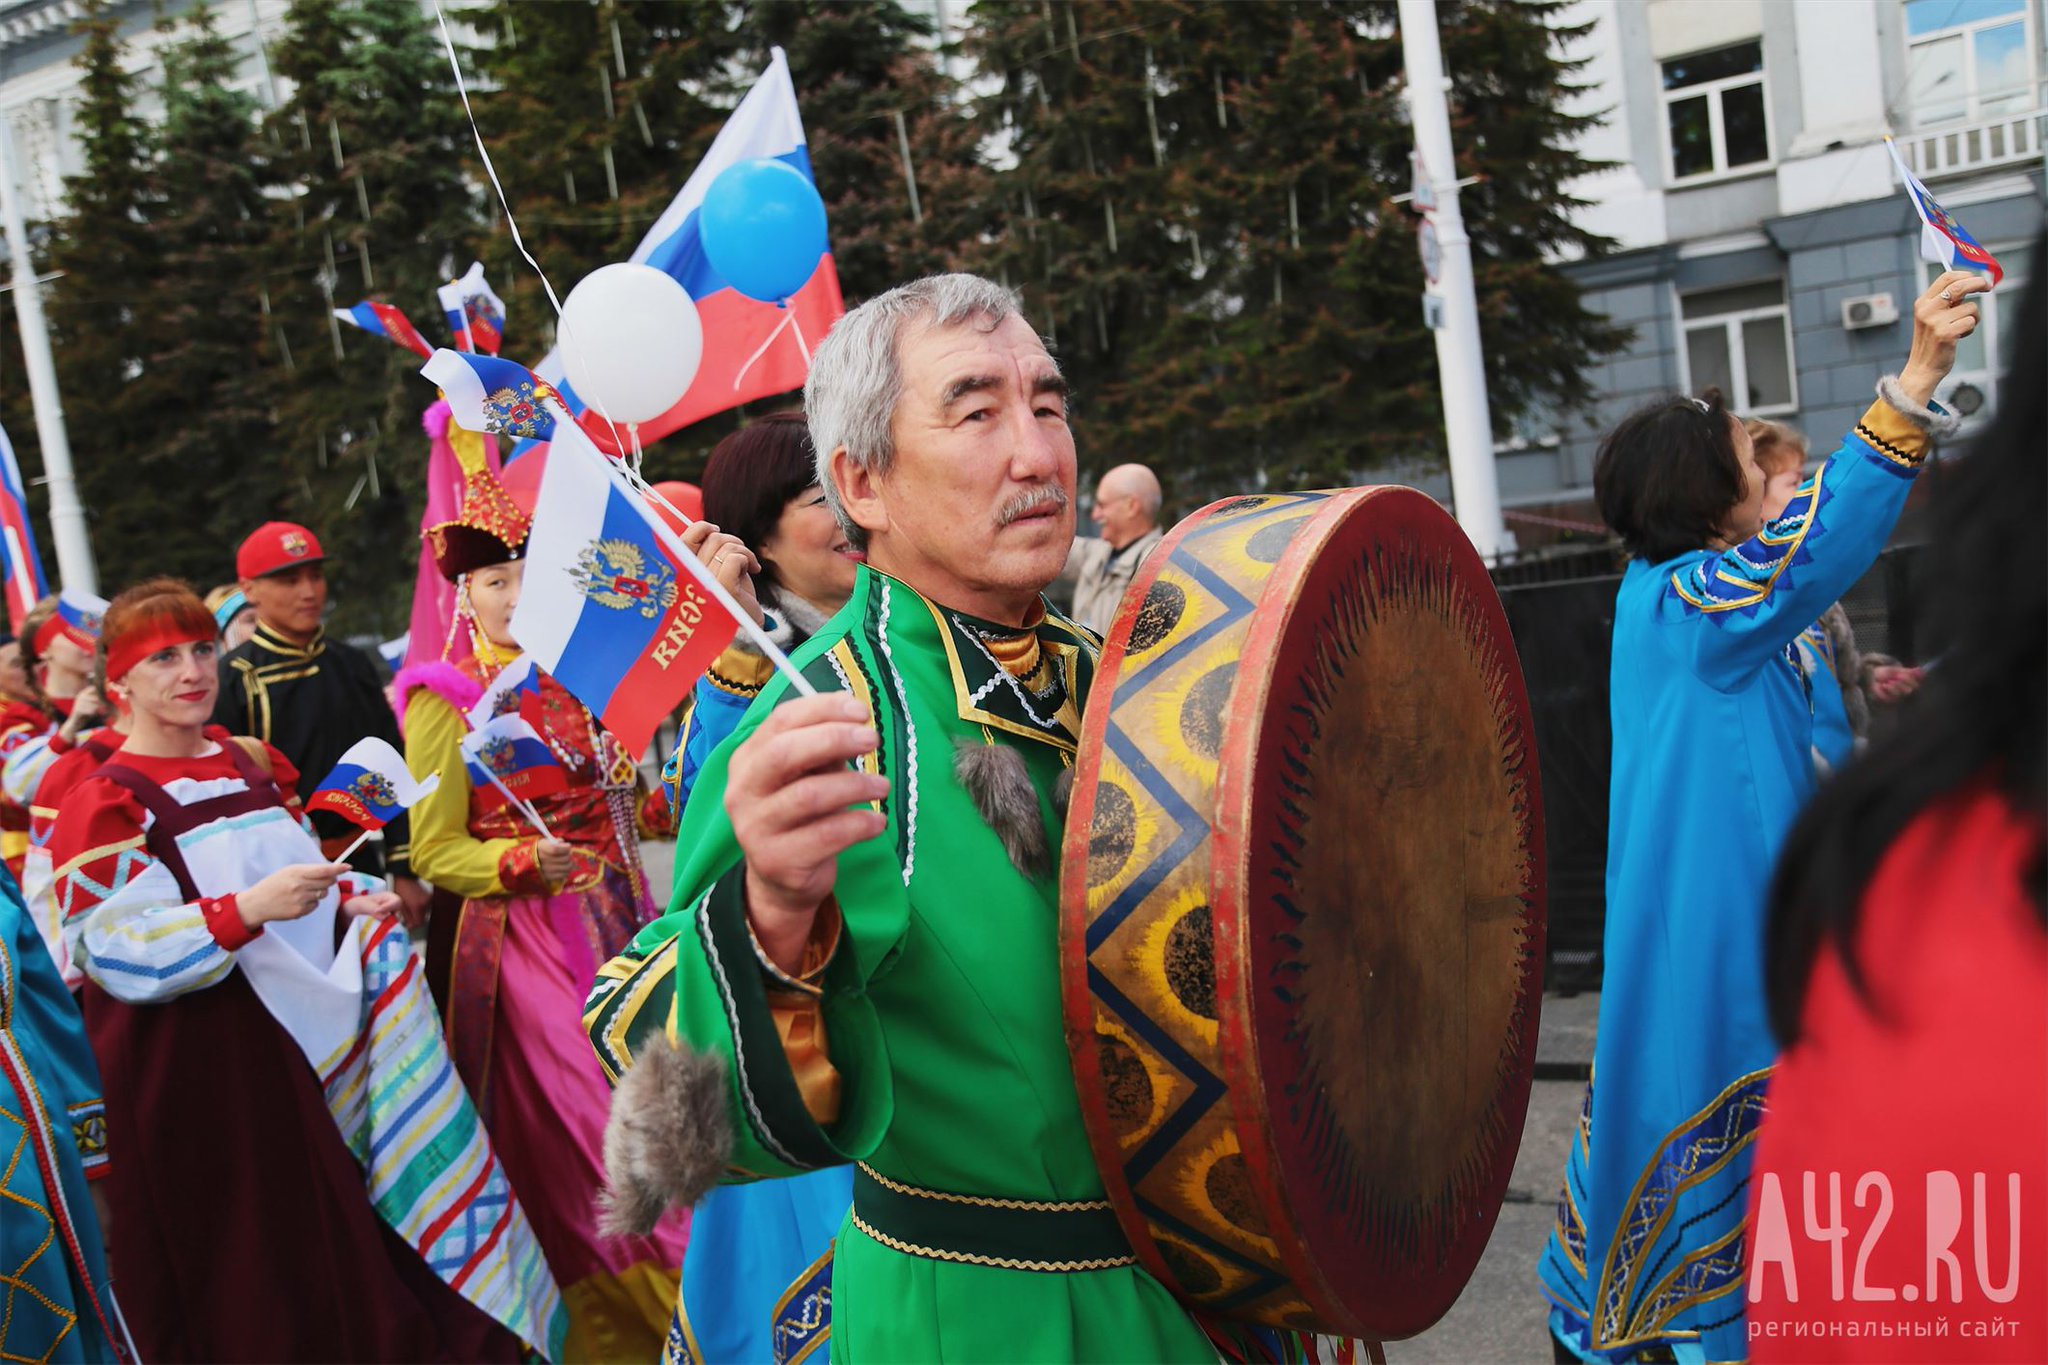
507	755
491	395
370	786
607	608
1942	239
508	694
476	315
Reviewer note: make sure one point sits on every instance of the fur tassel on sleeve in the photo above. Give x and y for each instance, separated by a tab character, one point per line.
668	1139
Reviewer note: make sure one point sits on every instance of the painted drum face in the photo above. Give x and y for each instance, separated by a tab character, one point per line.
1302	911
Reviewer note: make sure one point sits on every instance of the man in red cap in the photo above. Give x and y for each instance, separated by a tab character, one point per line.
312	697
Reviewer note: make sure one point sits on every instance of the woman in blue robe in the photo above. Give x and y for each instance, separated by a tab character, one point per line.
1713	734
60	1305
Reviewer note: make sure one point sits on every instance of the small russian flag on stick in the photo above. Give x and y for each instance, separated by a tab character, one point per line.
370	787
384	320
510	755
1942	239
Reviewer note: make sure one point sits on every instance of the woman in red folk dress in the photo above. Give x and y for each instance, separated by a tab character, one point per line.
193	893
58	705
538	917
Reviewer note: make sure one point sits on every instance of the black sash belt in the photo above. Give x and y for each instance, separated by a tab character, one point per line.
1016	1234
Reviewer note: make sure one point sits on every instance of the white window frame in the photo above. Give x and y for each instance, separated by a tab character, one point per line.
1738	355
1991	320
1972	109
1716	132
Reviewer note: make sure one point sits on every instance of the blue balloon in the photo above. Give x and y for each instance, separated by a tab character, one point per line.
764	228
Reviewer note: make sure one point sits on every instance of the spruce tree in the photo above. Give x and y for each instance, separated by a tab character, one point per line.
858	68
212	463
108	259
595	114
1201	213
374	149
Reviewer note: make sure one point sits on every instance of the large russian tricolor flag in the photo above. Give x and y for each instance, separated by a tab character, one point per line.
25	585
751	349
606	608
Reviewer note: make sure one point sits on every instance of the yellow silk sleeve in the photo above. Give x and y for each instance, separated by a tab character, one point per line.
444	852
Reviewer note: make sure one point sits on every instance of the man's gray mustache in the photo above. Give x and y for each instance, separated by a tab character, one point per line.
1032	500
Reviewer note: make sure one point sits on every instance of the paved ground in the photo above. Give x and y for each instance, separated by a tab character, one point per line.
1499	1319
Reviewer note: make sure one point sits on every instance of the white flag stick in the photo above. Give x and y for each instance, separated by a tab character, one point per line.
524	808
353	845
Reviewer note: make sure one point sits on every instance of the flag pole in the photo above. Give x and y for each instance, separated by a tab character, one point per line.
75	565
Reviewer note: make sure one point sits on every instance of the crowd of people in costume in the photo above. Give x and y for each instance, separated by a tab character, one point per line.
476	1090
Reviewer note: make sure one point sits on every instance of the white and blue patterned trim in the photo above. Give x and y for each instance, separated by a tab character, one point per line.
1744	575
909	736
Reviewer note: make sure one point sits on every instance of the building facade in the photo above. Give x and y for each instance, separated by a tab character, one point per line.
1763	243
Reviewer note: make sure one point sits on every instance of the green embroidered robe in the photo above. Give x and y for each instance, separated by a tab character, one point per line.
941	1003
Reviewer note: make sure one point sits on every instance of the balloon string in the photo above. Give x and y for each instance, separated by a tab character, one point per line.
567	333
788	319
797	328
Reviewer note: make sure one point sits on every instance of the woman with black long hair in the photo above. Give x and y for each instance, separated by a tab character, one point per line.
1908	966
1713	733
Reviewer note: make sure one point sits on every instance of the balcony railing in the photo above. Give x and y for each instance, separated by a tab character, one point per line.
2008	140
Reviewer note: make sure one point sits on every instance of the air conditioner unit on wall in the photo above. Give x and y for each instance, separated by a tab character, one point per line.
1871	310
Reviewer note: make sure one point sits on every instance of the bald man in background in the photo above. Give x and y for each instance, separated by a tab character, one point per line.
1100	568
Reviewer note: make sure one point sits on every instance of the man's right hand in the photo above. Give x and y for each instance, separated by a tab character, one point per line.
788	792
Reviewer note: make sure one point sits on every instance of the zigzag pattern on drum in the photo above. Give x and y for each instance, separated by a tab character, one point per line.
1257	1279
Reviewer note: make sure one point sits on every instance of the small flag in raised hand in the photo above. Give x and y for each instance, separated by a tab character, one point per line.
507	694
370	786
384	320
1942	239
509	754
476	316
607	608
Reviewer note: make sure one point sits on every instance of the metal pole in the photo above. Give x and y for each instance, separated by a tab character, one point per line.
67	517
1468	426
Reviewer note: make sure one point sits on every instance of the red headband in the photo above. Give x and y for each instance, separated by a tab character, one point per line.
125	653
52	628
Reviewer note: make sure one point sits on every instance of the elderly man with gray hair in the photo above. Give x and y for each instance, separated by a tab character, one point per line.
1101	567
860	962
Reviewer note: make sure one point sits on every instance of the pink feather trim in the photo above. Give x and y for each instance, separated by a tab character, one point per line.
436	418
443	679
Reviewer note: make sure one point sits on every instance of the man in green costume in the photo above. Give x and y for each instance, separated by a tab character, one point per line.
863	943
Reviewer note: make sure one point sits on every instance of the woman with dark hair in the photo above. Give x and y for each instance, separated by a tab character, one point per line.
1712	760
757	1271
761	485
1908	964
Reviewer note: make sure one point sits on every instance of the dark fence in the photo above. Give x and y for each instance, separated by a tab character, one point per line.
1561	611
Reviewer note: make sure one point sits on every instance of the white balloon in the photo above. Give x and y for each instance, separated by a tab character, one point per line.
630	340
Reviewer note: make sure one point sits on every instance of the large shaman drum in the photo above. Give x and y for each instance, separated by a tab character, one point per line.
1302	911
